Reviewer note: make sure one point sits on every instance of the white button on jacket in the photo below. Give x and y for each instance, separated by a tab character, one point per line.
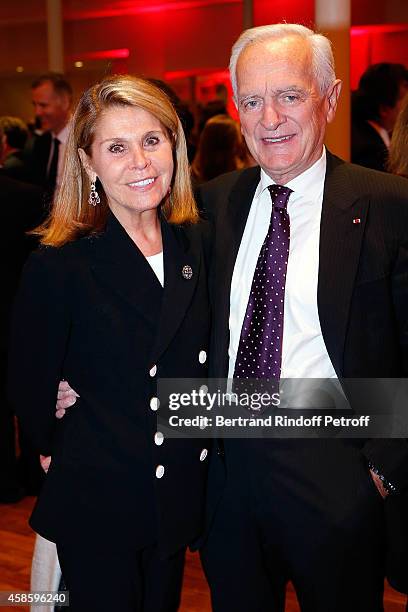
159	471
154	403
153	371
204	454
202	357
158	438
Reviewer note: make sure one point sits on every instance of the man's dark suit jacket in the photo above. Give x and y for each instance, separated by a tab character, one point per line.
93	312
362	298
37	159
367	147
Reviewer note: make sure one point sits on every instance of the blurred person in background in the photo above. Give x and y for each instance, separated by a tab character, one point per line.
375	106
212	108
21	207
51	96
398	156
221	93
184	113
221	149
13	138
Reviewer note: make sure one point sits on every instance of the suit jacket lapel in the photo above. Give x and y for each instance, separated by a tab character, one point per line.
123	270
239	205
229	235
182	260
343	220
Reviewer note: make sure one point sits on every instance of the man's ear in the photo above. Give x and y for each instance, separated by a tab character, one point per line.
86	163
333	96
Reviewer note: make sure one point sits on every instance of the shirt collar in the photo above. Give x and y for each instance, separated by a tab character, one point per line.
62	135
309	184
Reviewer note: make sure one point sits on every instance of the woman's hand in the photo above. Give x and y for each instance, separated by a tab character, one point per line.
66	397
379	484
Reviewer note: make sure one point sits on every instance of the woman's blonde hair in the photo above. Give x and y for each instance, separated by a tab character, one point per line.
71	215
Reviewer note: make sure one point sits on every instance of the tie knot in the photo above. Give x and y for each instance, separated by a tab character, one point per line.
279	195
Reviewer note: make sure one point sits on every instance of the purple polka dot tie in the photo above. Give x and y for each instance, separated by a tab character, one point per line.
260	346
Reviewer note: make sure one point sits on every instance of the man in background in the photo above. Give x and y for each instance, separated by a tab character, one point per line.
375	106
51	96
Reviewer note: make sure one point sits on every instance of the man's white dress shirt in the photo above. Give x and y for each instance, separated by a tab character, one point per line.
304	353
62	137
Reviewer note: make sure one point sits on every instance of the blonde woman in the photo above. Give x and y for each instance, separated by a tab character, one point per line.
116	298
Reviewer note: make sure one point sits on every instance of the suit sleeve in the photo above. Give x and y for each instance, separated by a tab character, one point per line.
390	456
39	335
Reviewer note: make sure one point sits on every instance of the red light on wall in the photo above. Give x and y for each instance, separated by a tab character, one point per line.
182	74
296	11
372	44
384	28
101	55
130	7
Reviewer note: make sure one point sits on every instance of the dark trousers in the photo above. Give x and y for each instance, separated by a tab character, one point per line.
304	511
129	580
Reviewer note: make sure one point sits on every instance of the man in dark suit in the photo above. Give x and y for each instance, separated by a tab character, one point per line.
21	206
51	96
309	280
375	107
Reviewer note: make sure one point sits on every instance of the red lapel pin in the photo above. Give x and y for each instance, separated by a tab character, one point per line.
356	221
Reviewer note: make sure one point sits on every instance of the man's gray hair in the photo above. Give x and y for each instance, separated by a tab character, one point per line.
322	55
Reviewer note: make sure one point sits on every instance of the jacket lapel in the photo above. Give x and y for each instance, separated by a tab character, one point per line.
229	235
182	260
121	267
344	215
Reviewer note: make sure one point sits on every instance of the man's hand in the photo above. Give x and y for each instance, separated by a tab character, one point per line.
378	483
45	462
66	397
